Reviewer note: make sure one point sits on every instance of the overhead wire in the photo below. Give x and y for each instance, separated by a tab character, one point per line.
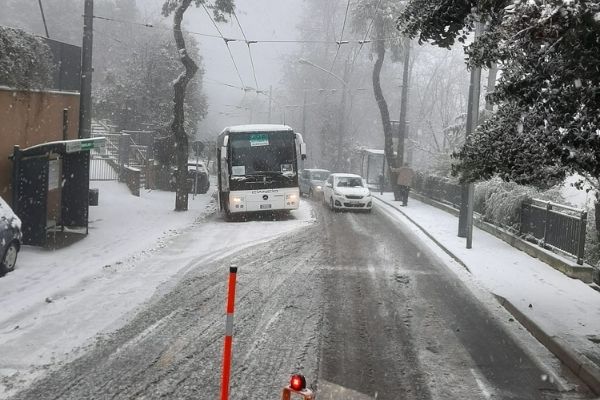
362	43
226	41
341	41
235	39
248	43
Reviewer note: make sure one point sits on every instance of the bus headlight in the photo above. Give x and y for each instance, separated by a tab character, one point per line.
237	201
291	199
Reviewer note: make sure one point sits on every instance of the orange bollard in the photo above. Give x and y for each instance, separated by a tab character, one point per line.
228	334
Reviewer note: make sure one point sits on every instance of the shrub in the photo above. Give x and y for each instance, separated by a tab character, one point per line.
25	60
499	202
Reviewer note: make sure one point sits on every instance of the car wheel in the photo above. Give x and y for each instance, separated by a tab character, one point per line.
331	203
10	258
311	194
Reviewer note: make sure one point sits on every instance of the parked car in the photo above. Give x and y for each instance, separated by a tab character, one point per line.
10	238
195	170
311	181
198	169
347	192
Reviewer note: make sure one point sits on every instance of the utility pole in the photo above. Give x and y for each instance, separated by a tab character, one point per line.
43	18
403	104
270	101
304	115
342	124
85	94
465	220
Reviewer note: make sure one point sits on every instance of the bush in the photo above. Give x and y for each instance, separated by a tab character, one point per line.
499	202
25	60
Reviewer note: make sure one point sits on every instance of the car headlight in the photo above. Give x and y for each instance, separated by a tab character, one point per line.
368	194
318	187
337	193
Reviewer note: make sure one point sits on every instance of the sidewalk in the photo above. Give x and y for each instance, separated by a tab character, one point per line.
562	313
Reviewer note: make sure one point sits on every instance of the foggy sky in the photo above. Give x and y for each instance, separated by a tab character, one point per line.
260	20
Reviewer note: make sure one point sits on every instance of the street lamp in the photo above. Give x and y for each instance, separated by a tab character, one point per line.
306	62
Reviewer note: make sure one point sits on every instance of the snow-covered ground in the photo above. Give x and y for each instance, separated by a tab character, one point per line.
564	308
57	302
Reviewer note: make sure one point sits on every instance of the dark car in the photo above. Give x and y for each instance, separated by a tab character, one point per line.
10	238
312	180
197	177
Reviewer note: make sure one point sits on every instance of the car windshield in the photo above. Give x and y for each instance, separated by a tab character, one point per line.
397	199
319	175
349	182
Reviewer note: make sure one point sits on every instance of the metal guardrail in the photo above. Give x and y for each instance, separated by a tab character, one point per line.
553	225
556	226
438	188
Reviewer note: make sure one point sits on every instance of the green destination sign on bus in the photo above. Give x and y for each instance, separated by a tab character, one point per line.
259	139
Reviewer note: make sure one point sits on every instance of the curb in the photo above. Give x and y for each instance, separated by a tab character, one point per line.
579	364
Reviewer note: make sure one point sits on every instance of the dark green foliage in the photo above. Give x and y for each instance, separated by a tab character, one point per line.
443	22
25	60
547	124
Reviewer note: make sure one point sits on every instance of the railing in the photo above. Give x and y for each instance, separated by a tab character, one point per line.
438	188
556	226
553	225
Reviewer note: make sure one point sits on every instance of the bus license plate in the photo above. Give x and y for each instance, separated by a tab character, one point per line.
265	206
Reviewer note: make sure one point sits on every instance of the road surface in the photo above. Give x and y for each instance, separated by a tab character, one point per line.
355	302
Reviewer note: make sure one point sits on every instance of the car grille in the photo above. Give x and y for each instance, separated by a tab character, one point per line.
354	204
354	197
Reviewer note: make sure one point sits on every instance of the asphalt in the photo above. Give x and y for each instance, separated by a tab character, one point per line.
581	366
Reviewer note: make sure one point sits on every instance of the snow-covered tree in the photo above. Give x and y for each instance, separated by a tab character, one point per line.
178	8
547	123
25	60
143	84
380	15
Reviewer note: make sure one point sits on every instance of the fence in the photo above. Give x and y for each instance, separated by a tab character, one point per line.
121	159
438	188
556	226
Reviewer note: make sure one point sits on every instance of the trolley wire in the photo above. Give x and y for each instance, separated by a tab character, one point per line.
248	43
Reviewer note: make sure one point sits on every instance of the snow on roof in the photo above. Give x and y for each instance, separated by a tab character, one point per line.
259	128
344	175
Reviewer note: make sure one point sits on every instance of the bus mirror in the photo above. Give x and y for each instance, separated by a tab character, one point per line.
303	151
224	153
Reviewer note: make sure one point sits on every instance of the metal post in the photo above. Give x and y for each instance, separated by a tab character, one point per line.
270	101
465	218
43	18
581	244
65	130
85	99
546	219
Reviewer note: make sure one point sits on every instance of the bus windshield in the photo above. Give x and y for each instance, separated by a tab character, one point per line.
271	153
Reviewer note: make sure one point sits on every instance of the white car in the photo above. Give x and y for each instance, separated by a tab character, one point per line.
347	192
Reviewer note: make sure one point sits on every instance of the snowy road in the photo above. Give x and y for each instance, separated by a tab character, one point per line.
355	302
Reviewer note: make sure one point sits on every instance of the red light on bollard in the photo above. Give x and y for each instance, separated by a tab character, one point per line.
297	386
298	382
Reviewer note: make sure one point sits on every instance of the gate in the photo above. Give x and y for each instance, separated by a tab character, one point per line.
103	168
